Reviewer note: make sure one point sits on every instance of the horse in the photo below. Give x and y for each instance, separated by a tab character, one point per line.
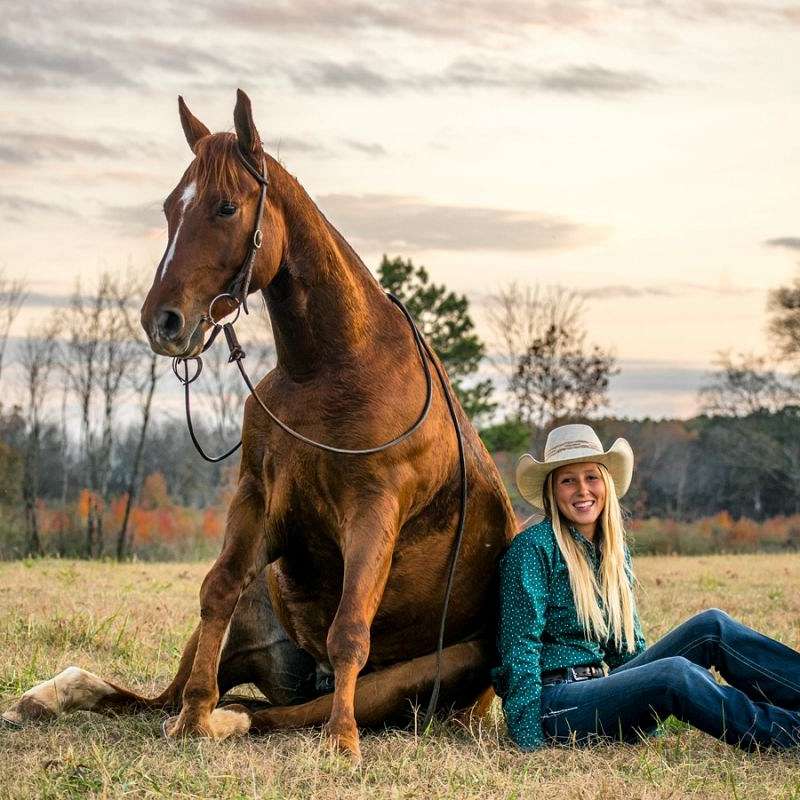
333	566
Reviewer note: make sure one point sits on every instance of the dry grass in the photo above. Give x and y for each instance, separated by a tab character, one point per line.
129	622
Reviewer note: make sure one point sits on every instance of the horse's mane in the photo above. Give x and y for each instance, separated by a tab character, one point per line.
216	167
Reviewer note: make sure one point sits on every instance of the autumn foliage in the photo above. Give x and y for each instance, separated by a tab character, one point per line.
720	533
162	529
159	528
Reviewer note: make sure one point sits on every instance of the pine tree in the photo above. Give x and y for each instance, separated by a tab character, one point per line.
443	318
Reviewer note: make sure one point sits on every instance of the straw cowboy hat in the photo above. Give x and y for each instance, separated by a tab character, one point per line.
572	444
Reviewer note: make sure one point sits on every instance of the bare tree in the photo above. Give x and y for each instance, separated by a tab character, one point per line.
64	450
99	353
146	387
520	315
83	327
556	377
746	385
142	375
120	351
38	361
551	372
12	296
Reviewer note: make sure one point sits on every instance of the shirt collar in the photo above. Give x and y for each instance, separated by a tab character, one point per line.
579	537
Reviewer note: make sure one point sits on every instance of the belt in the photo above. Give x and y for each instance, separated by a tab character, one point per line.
571	674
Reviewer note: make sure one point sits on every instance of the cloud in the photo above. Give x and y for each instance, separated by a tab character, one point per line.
575	79
789	242
97	45
20	147
95	52
597	80
27	64
480	23
621	290
135	220
292	144
367	148
80	58
327	74
614	291
453	20
16	208
389	222
471	74
731	11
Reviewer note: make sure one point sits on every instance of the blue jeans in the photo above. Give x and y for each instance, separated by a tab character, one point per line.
759	707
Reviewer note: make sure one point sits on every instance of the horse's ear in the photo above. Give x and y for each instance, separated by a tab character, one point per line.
249	140
192	127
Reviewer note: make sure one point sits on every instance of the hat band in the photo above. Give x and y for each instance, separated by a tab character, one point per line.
574	445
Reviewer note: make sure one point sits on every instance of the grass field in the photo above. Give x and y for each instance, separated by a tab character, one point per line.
129	622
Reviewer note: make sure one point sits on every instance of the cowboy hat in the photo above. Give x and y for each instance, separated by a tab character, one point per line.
573	444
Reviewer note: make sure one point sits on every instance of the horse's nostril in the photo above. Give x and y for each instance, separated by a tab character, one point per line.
169	323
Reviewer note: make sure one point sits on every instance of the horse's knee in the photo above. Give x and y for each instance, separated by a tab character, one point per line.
220	589
348	643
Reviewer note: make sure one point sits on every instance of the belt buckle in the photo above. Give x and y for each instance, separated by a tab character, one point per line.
575	677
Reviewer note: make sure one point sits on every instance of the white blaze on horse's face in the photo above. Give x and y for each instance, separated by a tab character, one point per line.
188	195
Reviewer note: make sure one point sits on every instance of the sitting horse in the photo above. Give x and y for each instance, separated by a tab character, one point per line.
332	566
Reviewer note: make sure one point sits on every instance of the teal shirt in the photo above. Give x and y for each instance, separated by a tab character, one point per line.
539	629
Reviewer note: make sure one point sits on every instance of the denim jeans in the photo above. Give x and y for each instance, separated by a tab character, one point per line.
759	707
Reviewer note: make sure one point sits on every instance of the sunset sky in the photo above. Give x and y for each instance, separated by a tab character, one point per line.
645	153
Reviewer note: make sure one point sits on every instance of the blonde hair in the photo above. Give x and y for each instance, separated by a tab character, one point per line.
605	608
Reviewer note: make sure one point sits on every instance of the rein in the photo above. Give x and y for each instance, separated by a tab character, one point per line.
239	289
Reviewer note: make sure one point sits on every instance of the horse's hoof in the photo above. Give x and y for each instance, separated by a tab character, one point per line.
347	745
179	728
11	718
28	709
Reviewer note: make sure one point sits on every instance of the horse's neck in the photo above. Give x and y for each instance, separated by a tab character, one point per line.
324	305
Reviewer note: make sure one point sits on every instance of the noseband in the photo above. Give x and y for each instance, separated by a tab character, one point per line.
237	293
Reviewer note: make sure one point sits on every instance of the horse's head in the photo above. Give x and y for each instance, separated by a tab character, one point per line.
211	217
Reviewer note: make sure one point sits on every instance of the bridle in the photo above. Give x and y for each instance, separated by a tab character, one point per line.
239	287
237	292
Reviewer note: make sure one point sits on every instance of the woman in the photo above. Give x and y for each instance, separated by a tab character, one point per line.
567	606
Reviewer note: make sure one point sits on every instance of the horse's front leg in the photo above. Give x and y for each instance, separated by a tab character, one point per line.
368	544
245	553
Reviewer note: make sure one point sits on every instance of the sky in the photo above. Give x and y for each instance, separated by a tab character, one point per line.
644	153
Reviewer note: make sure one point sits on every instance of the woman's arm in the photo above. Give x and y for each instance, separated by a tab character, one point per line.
523	606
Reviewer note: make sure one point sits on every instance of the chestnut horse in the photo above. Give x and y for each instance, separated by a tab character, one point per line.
330	563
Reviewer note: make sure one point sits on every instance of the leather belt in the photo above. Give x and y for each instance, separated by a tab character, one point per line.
571	674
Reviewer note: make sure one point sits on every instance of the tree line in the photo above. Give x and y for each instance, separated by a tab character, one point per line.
64	445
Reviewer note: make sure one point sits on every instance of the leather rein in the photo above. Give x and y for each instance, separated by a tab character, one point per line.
238	291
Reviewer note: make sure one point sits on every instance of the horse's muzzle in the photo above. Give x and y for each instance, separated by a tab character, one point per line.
170	335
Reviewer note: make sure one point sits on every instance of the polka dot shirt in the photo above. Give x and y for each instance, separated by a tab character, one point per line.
538	627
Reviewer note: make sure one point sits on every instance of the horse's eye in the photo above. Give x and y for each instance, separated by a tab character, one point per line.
226	209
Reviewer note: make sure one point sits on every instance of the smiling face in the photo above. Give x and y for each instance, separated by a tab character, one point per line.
580	494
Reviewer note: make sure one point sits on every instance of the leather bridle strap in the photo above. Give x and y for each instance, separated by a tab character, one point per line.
240	286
